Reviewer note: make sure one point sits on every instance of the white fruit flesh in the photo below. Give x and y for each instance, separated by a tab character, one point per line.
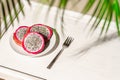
33	43
20	33
41	29
45	30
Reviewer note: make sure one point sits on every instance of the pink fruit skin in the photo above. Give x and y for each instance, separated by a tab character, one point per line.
15	38
42	45
49	28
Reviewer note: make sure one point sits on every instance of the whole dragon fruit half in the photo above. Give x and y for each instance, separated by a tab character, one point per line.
33	43
45	30
19	34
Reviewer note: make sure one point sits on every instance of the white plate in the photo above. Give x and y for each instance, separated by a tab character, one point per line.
50	47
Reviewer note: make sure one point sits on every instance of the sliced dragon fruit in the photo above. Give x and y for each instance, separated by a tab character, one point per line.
45	30
19	34
33	43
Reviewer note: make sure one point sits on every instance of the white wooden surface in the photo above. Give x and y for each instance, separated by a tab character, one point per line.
99	63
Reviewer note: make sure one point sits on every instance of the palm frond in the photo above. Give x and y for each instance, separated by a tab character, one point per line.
62	5
9	11
4	14
14	9
8	16
29	2
107	10
61	8
20	6
88	6
100	15
116	9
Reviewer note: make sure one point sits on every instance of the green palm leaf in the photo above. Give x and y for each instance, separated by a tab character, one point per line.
116	9
105	9
20	6
6	14
89	4
14	8
61	8
9	11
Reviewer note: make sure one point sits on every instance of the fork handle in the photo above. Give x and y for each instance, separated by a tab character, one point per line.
55	59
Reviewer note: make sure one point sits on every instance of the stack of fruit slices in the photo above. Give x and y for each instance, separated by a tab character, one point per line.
33	39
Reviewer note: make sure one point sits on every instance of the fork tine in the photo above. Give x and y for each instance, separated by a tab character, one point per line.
72	39
68	41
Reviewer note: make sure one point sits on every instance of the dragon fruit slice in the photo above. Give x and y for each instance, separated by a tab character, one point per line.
19	34
45	30
33	43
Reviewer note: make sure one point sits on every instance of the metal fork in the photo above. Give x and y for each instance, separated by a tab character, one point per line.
66	44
